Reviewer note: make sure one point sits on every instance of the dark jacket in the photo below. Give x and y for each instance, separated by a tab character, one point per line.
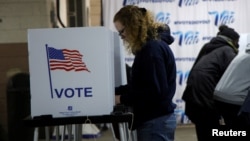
207	70
245	110
153	81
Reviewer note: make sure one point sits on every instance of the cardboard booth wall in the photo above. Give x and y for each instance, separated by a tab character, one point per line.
72	71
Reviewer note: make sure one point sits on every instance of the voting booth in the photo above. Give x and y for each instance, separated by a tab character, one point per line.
71	71
244	42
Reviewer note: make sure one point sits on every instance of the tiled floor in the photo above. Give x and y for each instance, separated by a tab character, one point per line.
185	133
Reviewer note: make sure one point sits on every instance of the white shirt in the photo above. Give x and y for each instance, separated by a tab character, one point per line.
234	84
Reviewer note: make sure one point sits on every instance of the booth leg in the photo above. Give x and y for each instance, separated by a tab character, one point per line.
122	132
127	132
63	133
47	136
69	132
113	132
78	132
36	134
134	135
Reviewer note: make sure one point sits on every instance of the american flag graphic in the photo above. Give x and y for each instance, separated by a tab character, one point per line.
65	59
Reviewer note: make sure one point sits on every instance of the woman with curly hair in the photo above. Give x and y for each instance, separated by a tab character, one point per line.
153	78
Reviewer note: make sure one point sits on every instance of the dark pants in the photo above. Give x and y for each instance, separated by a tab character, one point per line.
229	113
204	119
205	125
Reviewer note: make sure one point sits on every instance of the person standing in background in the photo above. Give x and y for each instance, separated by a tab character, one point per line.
153	76
207	70
232	90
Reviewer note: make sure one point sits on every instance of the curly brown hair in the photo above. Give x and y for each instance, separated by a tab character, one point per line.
139	24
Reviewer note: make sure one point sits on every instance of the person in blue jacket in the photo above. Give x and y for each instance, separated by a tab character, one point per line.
153	76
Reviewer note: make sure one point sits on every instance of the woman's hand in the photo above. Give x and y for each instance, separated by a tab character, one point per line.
117	99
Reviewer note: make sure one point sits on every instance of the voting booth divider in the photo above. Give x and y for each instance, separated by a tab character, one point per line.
73	72
244	42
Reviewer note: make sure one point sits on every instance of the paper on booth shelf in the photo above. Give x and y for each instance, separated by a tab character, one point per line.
71	71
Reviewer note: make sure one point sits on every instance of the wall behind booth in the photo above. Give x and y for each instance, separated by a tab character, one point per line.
13	58
191	30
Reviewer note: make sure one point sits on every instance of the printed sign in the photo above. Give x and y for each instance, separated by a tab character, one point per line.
71	71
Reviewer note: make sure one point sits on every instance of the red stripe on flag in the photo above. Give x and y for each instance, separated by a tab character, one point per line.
73	61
